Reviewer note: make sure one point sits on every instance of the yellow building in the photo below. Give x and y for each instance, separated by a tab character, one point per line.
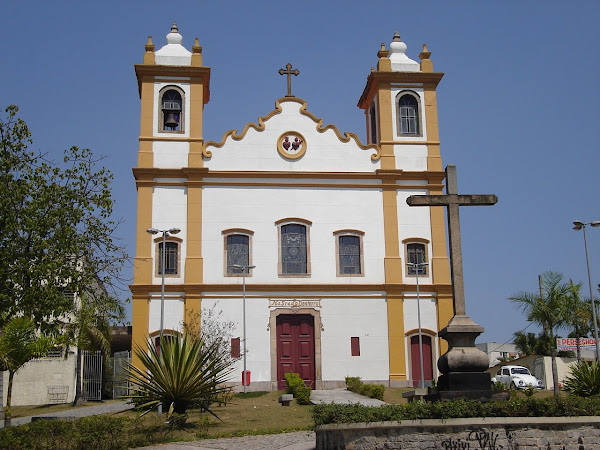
315	219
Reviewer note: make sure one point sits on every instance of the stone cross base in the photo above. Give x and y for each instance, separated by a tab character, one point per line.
480	395
462	355
464	381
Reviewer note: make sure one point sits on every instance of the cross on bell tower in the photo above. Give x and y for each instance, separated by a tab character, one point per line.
289	72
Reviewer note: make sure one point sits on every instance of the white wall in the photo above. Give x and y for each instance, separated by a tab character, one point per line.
341	318
30	384
169	210
354	317
258	150
257	209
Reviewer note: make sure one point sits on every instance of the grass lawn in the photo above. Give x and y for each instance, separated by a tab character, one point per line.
254	413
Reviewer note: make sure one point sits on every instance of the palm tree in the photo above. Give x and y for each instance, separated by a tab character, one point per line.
546	309
579	315
20	342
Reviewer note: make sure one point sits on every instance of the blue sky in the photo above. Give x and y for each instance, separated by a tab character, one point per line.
519	106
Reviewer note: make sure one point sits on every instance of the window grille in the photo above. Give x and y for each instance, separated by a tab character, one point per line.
349	254
415	253
293	249
171	258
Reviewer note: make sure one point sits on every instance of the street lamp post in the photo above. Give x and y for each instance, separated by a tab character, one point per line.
163	260
244	268
578	225
417	267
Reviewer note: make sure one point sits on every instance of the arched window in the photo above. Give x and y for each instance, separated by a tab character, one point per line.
171	104
373	124
293	247
408	115
237	251
349	252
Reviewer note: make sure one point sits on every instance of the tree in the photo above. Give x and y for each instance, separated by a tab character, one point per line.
184	372
56	231
546	309
89	328
532	344
211	328
20	343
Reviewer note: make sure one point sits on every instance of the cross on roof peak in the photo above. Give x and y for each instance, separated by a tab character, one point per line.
289	72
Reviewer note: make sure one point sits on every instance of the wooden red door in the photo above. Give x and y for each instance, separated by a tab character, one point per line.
415	359
295	348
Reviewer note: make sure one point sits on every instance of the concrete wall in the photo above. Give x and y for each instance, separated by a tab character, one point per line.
490	433
30	384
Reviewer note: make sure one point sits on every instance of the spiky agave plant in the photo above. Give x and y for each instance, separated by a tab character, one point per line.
182	371
584	380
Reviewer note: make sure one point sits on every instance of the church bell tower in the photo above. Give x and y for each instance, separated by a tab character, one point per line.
173	87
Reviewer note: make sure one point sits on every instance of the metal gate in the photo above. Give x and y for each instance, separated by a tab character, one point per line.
121	361
92	375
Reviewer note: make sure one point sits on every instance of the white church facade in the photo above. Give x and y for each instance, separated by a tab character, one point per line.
316	217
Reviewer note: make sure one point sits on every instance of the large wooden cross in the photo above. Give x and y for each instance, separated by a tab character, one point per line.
289	72
452	201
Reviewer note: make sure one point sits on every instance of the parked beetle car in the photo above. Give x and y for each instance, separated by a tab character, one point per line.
517	377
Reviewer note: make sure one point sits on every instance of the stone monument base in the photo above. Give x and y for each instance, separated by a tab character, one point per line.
464	381
482	396
470	385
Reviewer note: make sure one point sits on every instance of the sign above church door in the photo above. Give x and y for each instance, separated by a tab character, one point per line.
294	303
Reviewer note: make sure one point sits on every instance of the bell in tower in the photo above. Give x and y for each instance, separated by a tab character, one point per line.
171	108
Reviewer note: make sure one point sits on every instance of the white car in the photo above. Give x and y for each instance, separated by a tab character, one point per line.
517	377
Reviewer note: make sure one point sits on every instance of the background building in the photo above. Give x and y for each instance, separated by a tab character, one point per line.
322	217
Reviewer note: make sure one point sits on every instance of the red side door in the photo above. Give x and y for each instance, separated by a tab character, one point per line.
415	359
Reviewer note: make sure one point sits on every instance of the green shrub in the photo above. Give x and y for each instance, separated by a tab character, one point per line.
377	391
297	387
355	384
584	380
460	408
99	432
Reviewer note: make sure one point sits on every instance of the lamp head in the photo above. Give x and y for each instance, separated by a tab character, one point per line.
578	225
152	231
174	230
595	223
